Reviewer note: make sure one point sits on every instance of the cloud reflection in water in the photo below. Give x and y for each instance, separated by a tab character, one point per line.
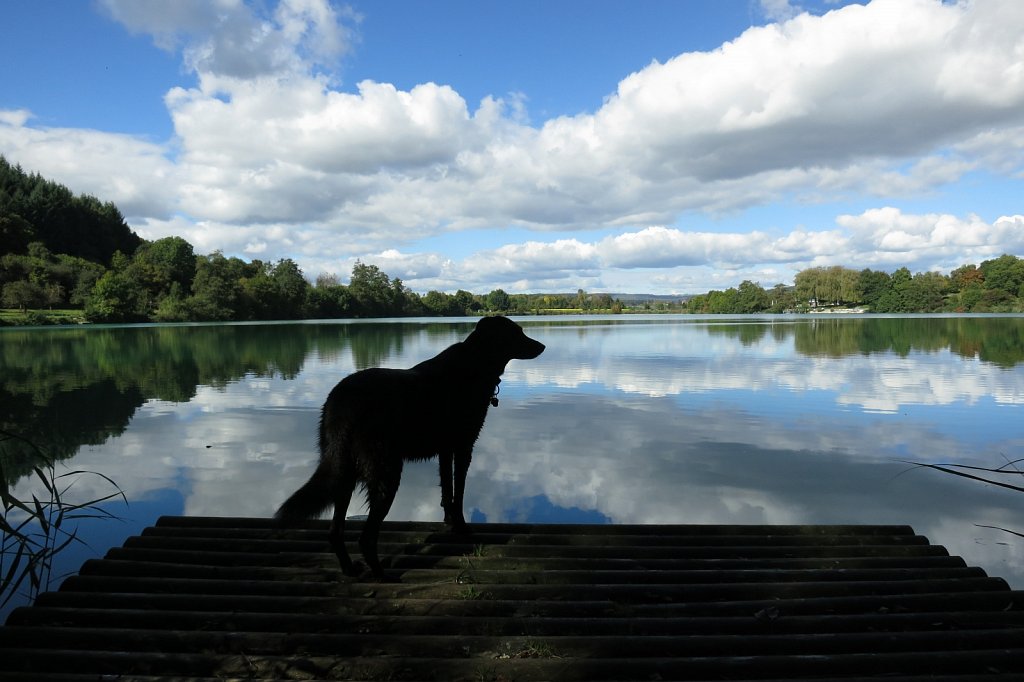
676	421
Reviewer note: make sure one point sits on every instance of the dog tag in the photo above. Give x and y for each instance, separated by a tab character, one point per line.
494	402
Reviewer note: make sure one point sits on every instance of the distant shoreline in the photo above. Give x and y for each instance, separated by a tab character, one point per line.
66	318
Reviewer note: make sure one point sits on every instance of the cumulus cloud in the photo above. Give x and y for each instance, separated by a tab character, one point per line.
14	118
132	172
233	39
893	236
784	107
889	99
882	238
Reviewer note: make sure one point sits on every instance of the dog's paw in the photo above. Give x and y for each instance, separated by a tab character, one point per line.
375	574
456	523
354	569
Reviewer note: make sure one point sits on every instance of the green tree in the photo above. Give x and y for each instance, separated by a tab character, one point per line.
260	292
1005	273
925	292
440	303
896	298
873	284
327	301
809	285
15	233
969	298
781	298
721	302
217	289
62	279
404	301
582	300
77	276
173	307
274	291
370	289
750	298
172	258
115	298
834	285
291	288
23	294
80	226
161	268
849	290
499	301
697	304
466	303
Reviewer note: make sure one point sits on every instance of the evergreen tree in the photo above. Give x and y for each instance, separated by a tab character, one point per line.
80	226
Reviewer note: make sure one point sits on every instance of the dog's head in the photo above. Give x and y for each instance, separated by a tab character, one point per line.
504	340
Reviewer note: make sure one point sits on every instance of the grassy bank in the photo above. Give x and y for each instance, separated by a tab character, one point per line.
12	317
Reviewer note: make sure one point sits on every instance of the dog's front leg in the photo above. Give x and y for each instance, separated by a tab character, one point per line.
453	513
445	469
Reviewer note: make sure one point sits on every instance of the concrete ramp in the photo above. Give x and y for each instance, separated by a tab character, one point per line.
222	598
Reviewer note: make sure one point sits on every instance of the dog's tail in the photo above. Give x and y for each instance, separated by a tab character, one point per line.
309	501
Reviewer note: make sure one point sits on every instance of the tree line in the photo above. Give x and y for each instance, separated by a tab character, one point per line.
165	281
67	251
33	209
994	286
60	250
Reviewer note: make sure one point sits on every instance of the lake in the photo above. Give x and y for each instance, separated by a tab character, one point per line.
623	419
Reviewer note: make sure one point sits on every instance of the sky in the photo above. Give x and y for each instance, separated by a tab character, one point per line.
661	146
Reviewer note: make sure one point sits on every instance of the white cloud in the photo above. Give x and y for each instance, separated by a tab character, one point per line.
881	238
890	99
132	172
1001	149
840	101
233	39
14	118
893	236
779	10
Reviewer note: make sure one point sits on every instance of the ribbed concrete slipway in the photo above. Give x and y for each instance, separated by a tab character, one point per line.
221	598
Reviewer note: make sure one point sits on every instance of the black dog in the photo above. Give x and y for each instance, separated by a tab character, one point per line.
375	419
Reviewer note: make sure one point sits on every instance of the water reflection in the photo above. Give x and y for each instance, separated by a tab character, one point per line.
627	420
63	388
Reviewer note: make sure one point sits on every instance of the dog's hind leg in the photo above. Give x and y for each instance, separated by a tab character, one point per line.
453	513
342	496
380	497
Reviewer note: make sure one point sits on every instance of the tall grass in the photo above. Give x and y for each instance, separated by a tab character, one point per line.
33	532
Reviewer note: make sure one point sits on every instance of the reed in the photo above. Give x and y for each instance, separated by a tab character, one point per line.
33	532
992	475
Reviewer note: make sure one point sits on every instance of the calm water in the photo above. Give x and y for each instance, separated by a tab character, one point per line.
791	419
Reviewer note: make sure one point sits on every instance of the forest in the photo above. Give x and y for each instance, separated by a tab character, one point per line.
74	253
994	286
59	251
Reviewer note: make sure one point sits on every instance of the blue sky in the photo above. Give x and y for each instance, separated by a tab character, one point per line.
659	146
